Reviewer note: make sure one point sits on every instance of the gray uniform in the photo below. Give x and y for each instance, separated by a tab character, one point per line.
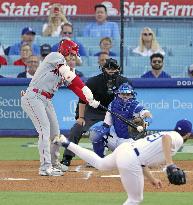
40	108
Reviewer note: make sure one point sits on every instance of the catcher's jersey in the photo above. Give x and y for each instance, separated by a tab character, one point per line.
150	148
47	76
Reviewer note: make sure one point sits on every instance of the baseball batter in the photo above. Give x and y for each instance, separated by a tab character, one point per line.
132	159
36	102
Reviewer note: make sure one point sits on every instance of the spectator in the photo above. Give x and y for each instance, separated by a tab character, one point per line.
190	71
109	80
157	67
148	43
25	53
106	45
32	65
3	61
67	33
55	20
102	28
45	49
102	59
27	37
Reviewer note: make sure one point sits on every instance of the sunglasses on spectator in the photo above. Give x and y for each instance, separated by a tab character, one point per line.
156	61
32	61
67	32
147	34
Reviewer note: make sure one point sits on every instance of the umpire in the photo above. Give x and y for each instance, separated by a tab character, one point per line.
103	87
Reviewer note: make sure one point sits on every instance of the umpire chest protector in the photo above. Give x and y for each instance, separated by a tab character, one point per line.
125	109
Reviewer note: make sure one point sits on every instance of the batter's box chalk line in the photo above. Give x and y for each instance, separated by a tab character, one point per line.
14	179
118	176
87	174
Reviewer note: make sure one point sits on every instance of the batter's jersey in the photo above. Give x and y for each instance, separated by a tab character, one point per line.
150	148
47	77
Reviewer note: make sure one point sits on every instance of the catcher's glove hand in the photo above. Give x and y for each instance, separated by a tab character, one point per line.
133	132
175	175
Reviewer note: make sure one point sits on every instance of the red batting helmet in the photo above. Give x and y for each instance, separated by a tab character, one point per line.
67	47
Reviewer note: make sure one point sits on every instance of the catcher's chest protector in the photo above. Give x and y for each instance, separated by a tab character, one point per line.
126	110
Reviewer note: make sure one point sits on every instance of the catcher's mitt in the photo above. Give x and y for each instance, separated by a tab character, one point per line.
175	175
133	132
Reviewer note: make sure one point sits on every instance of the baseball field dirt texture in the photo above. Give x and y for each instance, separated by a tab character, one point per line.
23	176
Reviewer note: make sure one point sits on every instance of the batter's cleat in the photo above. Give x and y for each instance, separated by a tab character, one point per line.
51	172
61	167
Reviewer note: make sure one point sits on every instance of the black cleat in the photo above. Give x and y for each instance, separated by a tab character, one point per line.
66	162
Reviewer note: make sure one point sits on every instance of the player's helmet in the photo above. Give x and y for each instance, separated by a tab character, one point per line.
67	47
126	88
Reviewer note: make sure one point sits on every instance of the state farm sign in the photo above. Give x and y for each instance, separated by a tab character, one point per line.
162	9
76	7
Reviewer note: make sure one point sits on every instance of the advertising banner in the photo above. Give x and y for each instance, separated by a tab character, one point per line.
166	104
149	8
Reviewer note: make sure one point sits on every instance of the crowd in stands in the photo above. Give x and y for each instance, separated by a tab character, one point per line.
148	43
105	46
156	67
67	33
102	27
105	32
55	20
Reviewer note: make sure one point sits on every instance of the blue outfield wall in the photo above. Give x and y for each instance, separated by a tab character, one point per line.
168	100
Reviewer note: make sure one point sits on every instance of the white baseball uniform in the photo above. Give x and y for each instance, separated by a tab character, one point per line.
129	158
37	104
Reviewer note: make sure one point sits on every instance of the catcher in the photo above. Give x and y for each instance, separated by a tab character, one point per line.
132	159
112	132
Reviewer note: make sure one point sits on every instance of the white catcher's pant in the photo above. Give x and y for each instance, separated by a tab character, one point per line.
125	160
41	111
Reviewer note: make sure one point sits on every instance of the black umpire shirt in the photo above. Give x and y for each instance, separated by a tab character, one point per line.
102	92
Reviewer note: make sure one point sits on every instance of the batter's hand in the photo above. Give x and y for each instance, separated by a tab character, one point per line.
94	103
87	93
81	121
22	93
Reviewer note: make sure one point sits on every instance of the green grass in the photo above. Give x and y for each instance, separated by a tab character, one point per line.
31	198
13	149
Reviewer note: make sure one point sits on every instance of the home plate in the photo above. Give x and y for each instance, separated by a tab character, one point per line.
13	179
110	176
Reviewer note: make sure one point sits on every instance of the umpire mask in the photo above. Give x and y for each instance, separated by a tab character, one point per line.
111	70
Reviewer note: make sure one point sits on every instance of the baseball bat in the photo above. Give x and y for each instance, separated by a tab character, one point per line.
128	122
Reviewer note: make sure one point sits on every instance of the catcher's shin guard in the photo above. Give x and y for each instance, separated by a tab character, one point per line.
99	148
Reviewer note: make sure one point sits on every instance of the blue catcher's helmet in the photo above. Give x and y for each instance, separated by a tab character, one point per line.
126	88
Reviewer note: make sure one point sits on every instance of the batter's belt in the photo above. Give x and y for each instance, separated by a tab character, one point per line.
44	93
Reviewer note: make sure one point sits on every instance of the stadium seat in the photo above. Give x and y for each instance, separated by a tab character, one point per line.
136	72
176	71
49	40
12	58
89	71
11	70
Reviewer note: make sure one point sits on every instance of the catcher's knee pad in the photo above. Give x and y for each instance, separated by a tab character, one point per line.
97	133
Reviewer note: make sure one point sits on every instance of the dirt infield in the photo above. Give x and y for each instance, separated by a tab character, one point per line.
23	176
